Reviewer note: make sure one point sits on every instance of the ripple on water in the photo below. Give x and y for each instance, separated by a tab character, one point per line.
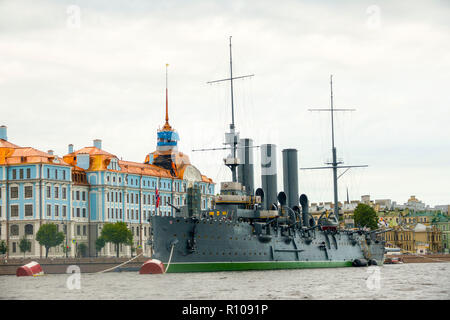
406	281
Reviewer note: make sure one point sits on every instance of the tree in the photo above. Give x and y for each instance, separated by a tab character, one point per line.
48	236
117	233
100	244
82	247
24	245
365	216
3	247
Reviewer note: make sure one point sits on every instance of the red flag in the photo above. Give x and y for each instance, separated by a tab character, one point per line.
157	198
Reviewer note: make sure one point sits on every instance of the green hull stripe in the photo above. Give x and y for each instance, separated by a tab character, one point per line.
262	265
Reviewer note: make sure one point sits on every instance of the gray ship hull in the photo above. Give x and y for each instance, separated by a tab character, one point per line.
212	244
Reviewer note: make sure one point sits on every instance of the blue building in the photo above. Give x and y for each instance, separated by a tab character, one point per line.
89	187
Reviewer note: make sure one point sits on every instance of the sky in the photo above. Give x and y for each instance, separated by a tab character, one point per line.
75	71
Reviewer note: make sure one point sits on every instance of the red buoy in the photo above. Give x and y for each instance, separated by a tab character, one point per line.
152	266
30	269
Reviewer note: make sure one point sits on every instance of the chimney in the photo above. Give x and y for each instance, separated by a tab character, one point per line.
50	152
3	133
70	148
98	143
269	174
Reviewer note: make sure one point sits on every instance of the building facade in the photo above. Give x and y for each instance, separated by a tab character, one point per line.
89	187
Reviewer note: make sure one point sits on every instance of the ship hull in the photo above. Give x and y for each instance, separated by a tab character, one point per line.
207	245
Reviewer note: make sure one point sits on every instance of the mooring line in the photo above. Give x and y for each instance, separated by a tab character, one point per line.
170	258
120	264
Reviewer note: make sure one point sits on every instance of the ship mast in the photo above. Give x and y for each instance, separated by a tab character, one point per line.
335	164
232	137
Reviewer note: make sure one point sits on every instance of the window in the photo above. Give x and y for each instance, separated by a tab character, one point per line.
64	174
64	192
14	192
14	210
107	197
49	210
48	173
28	210
120	197
78	230
56	211
78	195
64	211
21	173
14	174
14	246
78	212
14	230
29	229
84	212
56	174
84	195
84	230
28	192
56	192
49	192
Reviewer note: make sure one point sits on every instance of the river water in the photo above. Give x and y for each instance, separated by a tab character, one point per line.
403	281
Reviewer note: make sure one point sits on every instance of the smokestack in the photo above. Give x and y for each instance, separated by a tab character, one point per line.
269	174
70	148
305	210
98	143
245	169
290	176
3	133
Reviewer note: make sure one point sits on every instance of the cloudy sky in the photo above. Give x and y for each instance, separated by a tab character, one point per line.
73	71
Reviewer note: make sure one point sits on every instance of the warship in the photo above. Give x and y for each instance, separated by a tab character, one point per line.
260	229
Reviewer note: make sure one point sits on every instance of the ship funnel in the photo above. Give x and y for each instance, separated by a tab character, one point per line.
290	176
305	210
282	198
269	174
245	168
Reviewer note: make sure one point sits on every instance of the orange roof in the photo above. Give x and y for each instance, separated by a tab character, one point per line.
92	151
142	168
7	144
206	179
20	155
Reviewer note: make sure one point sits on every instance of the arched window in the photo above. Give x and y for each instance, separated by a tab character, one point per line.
29	229
14	230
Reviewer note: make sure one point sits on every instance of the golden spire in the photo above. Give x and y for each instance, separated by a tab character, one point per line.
167	125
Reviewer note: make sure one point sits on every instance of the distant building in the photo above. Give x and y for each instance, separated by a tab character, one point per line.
421	239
